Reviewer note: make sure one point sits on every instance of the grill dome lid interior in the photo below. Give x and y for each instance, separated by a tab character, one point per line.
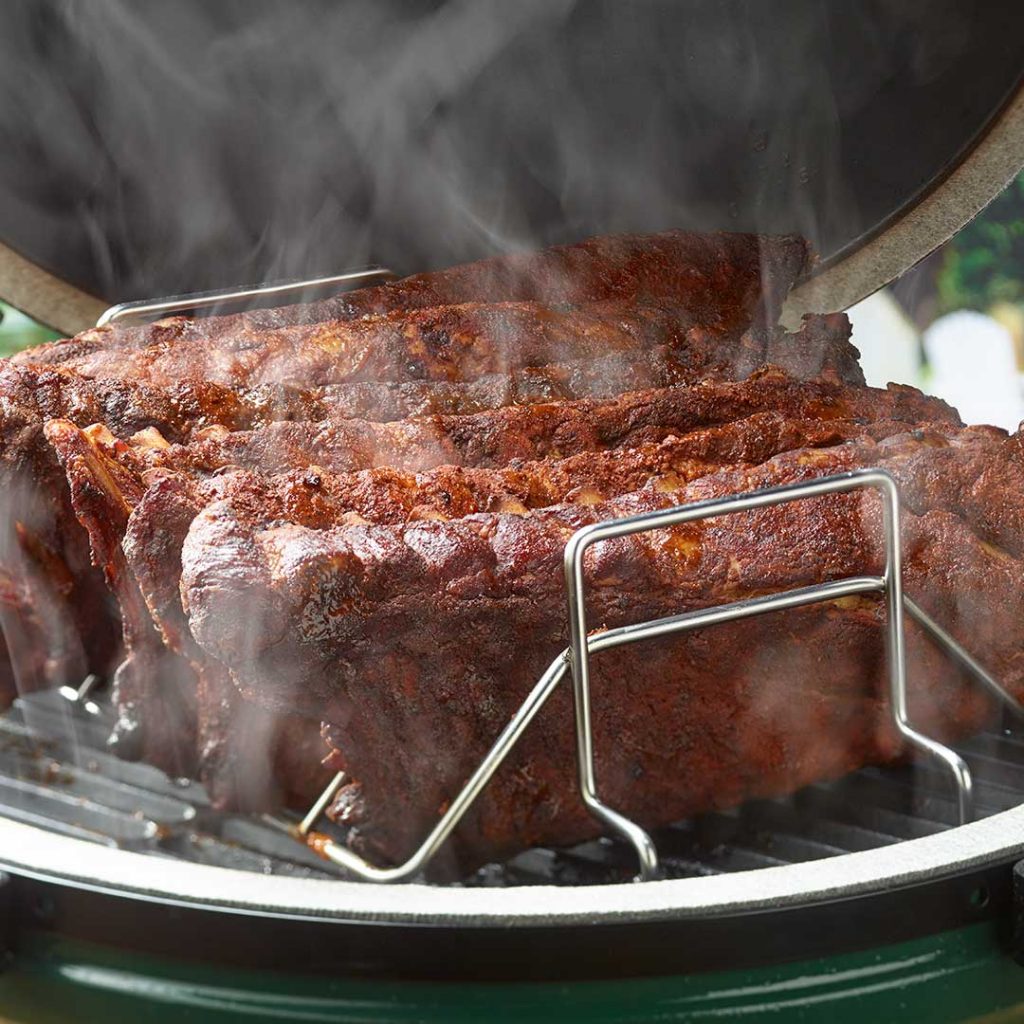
272	141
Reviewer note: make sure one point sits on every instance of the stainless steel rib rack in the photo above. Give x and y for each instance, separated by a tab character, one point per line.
92	804
575	661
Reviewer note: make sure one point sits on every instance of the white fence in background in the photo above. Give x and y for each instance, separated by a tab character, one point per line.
969	359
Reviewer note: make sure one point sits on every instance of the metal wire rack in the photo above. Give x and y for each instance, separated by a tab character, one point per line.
574	661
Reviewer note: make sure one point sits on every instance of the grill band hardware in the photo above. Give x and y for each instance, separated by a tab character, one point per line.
153	309
575	660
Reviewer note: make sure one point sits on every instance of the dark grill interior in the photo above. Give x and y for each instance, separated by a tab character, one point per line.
54	773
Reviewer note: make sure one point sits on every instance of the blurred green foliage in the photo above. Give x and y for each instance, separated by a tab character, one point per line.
984	263
18	331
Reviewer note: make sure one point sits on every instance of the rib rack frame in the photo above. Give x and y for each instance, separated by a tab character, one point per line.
574	661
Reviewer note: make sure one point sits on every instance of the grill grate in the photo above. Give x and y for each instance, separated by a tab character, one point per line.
55	774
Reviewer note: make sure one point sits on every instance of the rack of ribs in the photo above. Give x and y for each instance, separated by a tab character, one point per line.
729	282
459	344
349	518
417	642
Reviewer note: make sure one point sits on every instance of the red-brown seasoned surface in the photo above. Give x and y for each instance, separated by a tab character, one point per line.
460	345
728	282
441	343
418	642
80	632
61	609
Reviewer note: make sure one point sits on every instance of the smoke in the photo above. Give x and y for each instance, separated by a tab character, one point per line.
171	147
153	148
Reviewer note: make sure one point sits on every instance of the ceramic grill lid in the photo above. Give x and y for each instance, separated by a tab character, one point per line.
168	148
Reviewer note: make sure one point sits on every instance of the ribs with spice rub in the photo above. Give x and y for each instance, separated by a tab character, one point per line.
417	642
727	282
137	502
354	513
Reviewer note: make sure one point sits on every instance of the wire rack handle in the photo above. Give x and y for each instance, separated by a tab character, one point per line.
194	302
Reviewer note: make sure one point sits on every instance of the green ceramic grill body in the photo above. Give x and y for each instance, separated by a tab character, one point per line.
959	975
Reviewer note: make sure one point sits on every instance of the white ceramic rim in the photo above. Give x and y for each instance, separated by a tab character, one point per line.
980	177
33	852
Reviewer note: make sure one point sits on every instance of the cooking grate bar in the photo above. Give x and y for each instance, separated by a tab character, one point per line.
30	746
97	789
39	819
836	805
991	795
837	836
999	757
1003	745
744	858
269	841
64	784
911	795
758	833
49	714
214	850
23	800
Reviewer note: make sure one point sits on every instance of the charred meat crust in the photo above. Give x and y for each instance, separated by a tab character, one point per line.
726	281
410	639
